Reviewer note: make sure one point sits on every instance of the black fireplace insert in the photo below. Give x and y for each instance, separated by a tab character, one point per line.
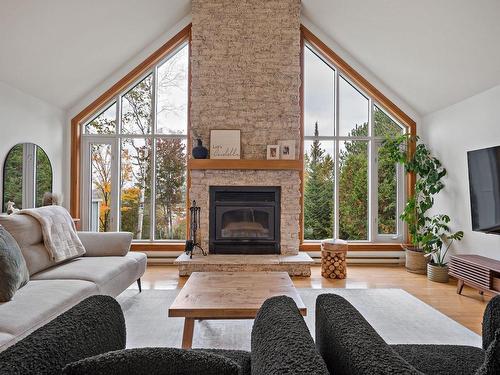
244	220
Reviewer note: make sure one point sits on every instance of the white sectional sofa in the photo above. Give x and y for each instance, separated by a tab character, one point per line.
107	268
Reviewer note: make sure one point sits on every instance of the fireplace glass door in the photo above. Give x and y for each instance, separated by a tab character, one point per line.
245	223
244	220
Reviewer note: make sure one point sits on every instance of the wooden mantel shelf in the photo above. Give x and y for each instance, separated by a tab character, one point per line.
245	164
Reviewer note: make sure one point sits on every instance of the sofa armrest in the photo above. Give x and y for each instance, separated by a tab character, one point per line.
105	244
94	326
349	344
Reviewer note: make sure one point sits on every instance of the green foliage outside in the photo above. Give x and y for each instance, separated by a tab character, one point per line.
43	176
136	170
170	188
353	185
318	192
13	175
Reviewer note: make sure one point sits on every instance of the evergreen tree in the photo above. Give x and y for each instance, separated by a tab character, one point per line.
318	192
353	182
13	177
353	187
171	189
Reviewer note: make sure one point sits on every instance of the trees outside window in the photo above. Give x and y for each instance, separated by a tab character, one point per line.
351	188
135	156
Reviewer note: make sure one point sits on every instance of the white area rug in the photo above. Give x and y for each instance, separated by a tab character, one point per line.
397	316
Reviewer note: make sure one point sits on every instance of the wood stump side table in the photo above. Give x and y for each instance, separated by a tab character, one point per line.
333	259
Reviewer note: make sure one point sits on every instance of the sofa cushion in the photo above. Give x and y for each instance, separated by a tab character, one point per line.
5	338
167	361
13	271
442	359
111	274
38	302
28	234
98	244
281	342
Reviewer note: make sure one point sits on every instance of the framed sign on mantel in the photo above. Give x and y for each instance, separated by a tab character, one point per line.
225	144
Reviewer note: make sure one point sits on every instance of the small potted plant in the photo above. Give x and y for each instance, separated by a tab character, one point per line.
436	245
428	172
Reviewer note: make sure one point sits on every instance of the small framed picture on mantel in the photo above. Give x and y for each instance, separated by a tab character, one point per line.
225	144
273	152
287	149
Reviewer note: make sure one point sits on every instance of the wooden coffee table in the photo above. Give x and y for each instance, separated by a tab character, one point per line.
228	295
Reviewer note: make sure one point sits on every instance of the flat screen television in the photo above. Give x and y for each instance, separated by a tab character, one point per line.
484	189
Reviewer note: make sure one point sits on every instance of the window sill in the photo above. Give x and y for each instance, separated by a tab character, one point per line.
353	246
158	246
356	246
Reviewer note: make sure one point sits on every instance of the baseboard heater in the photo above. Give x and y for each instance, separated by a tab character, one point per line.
353	257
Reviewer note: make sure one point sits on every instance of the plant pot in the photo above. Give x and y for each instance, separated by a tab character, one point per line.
437	273
416	262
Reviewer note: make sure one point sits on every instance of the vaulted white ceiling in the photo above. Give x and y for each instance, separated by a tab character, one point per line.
431	53
59	50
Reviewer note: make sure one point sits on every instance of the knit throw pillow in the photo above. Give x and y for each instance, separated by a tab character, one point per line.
13	271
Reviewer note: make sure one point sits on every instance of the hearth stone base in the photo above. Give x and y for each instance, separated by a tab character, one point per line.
295	265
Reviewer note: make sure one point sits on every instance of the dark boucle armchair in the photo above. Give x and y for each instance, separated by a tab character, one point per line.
90	339
96	325
350	346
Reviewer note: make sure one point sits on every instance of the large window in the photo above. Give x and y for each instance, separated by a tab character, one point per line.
351	190
134	156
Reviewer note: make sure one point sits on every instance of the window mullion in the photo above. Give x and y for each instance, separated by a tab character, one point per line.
115	182
401	197
372	183
336	160
152	205
117	165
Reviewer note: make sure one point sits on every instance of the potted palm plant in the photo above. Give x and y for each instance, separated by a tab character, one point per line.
428	172
436	245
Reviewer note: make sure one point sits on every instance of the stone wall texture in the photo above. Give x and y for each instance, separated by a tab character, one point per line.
245	67
245	74
289	181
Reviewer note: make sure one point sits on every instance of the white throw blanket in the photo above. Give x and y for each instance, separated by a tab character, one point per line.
59	232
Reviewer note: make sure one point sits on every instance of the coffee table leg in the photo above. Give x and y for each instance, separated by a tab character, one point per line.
187	336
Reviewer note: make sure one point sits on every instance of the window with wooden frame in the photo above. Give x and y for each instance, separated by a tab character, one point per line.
120	140
351	190
133	152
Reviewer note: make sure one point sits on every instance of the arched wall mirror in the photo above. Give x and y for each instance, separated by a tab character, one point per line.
27	176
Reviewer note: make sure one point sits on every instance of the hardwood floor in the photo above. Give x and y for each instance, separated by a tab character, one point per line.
467	309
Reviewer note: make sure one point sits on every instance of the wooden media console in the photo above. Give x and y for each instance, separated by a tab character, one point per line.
476	271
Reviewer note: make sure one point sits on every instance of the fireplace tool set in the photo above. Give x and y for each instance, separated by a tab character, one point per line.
194	224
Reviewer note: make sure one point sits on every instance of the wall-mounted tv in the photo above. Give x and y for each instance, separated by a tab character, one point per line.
484	188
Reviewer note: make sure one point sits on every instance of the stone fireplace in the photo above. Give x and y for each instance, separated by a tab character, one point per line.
245	74
244	220
288	182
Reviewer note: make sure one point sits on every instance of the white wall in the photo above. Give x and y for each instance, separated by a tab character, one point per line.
24	118
468	125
